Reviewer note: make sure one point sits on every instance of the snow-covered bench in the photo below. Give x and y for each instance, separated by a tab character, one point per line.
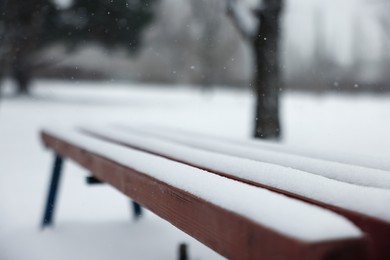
357	189
216	191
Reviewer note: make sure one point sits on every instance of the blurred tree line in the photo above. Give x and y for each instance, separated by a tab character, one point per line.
27	27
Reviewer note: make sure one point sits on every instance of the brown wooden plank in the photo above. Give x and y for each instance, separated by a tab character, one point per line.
228	233
377	230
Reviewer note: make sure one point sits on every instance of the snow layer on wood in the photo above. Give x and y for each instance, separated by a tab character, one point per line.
365	200
354	158
255	151
267	208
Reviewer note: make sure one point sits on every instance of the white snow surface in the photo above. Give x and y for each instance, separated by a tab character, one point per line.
376	161
270	209
366	200
93	222
254	150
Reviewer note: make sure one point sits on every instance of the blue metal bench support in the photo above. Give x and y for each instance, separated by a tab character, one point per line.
137	210
52	193
47	219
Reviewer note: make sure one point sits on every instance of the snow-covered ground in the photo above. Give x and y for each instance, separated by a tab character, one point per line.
95	222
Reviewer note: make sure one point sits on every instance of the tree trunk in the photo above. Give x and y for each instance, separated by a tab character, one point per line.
267	81
23	22
22	78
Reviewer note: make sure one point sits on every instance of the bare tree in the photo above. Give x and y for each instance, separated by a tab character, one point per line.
259	25
23	25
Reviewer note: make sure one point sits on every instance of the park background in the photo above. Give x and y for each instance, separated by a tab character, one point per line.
191	70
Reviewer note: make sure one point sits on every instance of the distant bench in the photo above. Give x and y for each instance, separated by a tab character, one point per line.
230	195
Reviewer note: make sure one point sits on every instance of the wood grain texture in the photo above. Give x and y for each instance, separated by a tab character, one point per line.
232	235
378	231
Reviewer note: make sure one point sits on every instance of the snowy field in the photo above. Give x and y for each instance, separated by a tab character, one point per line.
95	222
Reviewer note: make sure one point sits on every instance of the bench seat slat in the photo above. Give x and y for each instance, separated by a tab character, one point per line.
218	225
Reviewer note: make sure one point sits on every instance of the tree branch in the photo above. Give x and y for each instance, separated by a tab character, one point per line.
242	19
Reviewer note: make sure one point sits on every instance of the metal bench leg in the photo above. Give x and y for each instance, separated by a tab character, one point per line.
137	210
183	252
52	193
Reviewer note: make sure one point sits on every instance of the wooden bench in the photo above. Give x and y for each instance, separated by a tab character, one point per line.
243	208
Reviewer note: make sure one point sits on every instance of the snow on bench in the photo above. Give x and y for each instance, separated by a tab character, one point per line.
345	172
238	220
366	206
380	163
